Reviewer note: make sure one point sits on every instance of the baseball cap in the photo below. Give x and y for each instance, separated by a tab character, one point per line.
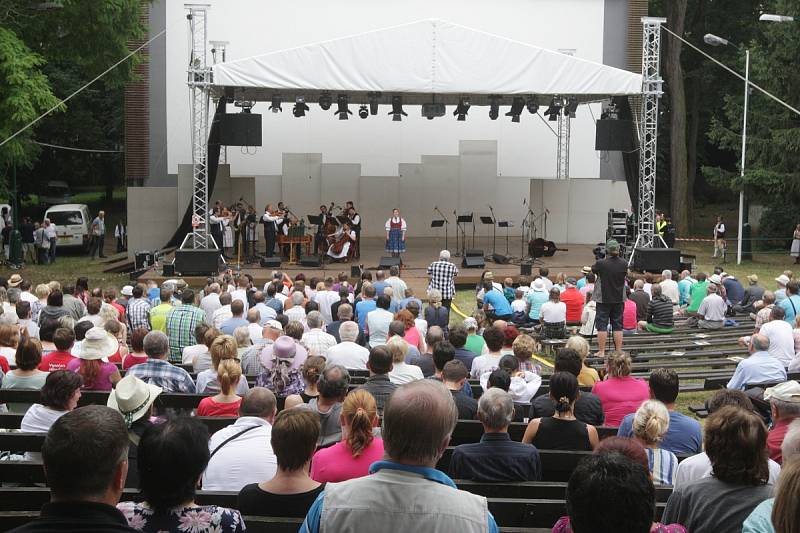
612	245
274	324
788	391
127	290
571	281
752	278
783	279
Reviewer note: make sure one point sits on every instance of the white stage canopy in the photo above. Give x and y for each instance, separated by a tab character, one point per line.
417	60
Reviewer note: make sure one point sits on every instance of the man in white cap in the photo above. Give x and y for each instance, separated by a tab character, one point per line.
537	297
784	401
780	292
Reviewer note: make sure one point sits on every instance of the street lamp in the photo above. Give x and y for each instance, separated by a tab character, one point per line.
768	17
714	40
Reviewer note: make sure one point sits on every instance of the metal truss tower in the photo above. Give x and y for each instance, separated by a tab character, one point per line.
648	130
219	55
562	169
199	79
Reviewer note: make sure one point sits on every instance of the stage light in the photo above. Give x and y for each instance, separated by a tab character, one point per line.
462	109
275	106
517	105
532	105
494	106
572	106
397	109
373	102
342	110
325	101
300	107
433	110
553	110
362	111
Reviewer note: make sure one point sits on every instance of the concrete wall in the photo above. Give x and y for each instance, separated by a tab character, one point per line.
152	217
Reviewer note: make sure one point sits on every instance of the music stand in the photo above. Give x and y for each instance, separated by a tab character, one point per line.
505	224
439	224
465	219
487	221
342	219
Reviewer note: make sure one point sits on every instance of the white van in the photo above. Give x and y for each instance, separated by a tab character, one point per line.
72	224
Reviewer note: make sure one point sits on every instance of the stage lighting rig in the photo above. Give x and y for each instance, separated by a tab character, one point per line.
494	106
553	110
341	107
571	107
397	109
363	112
373	102
275	106
246	105
300	107
517	105
325	101
462	109
532	105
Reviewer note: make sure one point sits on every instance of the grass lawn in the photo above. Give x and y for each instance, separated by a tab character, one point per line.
68	267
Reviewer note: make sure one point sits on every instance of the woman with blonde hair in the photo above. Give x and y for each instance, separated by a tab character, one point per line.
620	393
222	348
227	402
401	372
435	313
359	448
9	339
42	291
650	424
588	376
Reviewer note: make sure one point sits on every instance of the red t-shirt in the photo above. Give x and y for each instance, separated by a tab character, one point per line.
55	361
209	407
574	301
121	311
131	360
4	365
775	438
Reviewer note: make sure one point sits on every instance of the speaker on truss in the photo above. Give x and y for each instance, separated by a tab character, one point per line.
388	262
240	129
614	135
472	261
270	262
309	260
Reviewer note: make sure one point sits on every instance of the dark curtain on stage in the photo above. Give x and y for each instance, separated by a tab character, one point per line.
630	160
212	155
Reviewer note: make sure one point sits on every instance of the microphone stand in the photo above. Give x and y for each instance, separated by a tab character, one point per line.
525	222
463	237
446	223
494	232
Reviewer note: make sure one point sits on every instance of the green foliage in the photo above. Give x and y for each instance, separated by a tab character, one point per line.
777	222
24	94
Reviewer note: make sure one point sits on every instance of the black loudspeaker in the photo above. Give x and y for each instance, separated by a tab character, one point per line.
168	271
197	262
473	253
270	262
614	135
525	269
355	271
473	262
388	262
240	129
309	261
501	259
656	259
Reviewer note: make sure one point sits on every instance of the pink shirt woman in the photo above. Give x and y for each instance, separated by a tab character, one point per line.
629	315
620	394
358	449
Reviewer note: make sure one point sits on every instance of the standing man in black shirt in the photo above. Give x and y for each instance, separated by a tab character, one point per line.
27	240
609	293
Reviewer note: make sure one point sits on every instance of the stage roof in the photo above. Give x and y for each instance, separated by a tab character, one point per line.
418	60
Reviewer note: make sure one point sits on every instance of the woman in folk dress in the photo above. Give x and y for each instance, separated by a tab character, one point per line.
396	234
795	251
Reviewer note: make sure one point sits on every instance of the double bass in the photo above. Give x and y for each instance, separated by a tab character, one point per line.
330	223
338	239
541	248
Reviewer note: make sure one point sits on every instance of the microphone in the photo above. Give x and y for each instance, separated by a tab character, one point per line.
490	207
524	201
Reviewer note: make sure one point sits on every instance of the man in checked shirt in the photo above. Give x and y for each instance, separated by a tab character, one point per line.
442	275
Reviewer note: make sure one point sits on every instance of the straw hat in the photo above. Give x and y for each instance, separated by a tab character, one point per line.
14	280
752	278
132	397
538	285
586	270
98	344
715	279
127	290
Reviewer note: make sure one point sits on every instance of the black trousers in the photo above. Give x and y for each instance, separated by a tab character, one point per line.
319	242
269	237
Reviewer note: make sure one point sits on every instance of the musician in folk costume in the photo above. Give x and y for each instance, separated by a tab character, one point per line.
396	234
355	224
250	232
341	241
319	238
271	219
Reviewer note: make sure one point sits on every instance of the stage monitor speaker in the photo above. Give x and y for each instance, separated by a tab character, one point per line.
388	262
240	129
309	261
197	262
501	259
270	262
473	253
614	135
355	271
656	259
525	269
168	271
473	262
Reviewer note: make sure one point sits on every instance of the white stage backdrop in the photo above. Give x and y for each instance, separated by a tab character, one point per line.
416	164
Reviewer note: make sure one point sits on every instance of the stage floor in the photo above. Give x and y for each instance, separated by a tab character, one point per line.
421	252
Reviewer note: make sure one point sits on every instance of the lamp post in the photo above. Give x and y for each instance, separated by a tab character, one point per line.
714	40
